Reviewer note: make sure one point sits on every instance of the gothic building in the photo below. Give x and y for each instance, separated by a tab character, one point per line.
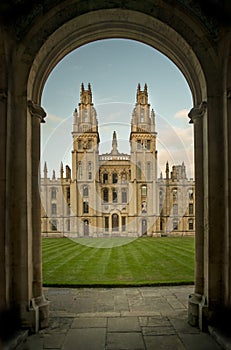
116	194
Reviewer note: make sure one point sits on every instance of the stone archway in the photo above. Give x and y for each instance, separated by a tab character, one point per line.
177	33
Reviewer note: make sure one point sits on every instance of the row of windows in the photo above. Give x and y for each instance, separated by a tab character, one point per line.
175	194
89	168
114	195
175	223
54	193
115	223
175	208
54	225
144	144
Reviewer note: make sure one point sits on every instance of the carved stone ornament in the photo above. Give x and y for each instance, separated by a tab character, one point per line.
36	111
197	112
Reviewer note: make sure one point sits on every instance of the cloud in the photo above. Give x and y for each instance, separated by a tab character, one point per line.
181	114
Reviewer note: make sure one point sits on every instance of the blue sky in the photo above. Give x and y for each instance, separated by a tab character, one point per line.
114	68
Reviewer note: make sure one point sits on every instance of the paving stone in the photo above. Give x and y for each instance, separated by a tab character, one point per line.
170	342
165	330
54	340
123	324
200	341
182	326
85	339
128	341
89	322
154	321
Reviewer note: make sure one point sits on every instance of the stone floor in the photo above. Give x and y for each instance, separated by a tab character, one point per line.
119	318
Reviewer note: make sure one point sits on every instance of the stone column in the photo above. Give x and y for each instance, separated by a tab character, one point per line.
38	115
196	116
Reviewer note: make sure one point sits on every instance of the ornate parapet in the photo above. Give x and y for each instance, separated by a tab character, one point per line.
197	112
36	111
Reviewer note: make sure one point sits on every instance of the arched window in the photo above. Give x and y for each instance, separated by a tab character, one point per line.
161	195
144	207
68	225
80	145
53	193
115	222
85	191
106	223
105	195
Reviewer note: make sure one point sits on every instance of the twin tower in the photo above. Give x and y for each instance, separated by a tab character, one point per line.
113	193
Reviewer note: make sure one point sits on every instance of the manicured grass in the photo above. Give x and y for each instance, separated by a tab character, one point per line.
117	261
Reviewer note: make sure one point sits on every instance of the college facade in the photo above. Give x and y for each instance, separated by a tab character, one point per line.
116	194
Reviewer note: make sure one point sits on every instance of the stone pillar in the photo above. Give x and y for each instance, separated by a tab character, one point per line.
196	301
38	115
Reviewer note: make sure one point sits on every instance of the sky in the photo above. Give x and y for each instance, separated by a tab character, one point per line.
114	67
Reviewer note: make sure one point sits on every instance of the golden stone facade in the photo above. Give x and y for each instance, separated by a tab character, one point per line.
116	194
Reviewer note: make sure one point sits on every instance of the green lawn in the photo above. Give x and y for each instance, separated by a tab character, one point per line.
114	262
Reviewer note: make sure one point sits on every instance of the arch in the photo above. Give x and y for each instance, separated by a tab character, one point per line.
181	36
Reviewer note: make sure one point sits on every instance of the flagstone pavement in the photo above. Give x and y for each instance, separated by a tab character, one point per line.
150	318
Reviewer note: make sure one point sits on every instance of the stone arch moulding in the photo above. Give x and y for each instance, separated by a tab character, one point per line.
118	23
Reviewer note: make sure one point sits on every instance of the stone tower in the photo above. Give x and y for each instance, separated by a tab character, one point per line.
143	162
84	164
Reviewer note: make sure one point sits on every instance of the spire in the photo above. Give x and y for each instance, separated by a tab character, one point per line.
114	144
167	170
61	170
53	175
145	88
75	115
45	170
89	87
82	88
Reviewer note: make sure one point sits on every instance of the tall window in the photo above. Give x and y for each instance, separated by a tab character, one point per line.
85	191
105	178
175	224
68	193
148	170
144	190
175	209
190	194
53	193
138	144
106	223
114	195
80	145
85	207
53	209
142	115
148	145
123	223
124	195
190	208
89	144
114	178
105	195
161	195
190	224
89	171
68	209
138	170
80	170
54	225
